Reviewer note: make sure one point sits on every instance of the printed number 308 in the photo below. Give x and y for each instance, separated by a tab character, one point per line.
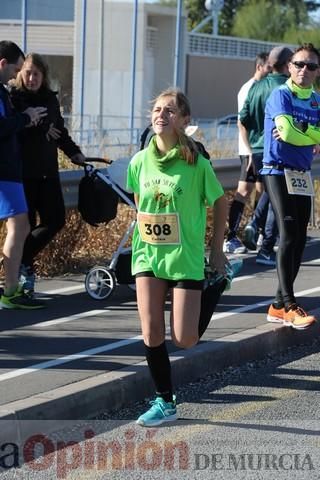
157	229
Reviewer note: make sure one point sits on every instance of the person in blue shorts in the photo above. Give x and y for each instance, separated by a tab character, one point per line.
13	207
291	126
173	184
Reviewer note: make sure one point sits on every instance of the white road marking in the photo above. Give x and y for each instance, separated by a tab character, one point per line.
312	240
69	358
316	260
63	290
77	316
253	306
243	277
235	311
112	346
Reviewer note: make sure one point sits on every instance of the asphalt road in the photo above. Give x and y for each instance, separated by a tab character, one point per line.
259	421
77	338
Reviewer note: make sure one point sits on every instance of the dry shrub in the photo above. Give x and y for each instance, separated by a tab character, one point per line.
2	231
79	245
316	212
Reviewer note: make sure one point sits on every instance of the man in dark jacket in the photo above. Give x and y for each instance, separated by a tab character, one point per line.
13	207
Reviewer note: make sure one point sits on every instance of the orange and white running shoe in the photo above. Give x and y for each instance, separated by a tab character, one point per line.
297	318
275	315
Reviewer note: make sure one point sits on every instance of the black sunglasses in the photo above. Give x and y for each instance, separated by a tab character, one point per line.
310	66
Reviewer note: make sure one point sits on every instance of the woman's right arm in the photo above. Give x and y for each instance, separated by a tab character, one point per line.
217	258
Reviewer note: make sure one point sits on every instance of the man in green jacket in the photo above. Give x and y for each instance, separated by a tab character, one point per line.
252	130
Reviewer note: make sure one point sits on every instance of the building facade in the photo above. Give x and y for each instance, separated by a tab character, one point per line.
89	48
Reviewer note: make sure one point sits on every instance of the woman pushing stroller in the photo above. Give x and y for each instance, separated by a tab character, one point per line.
173	184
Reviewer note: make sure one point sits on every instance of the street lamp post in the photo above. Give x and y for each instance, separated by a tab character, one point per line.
215	7
133	67
82	60
176	75
24	17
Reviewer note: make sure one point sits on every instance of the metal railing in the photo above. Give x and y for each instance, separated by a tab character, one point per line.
223	46
151	38
112	143
227	171
88	121
105	135
110	137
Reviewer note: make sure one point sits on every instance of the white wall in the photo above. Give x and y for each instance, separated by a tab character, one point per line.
49	38
154	66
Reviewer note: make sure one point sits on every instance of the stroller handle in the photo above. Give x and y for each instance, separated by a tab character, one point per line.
90	160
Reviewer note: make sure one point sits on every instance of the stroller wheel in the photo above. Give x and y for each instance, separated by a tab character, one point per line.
100	282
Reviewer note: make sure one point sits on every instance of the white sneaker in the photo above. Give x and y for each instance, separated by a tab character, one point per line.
260	240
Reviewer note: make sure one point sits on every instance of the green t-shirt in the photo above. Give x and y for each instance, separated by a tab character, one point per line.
168	185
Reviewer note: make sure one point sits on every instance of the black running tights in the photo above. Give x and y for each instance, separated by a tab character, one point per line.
292	215
46	214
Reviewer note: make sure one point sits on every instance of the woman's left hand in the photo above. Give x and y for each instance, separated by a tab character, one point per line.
218	261
53	133
276	134
78	159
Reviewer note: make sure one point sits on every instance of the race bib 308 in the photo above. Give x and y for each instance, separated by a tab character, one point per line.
159	229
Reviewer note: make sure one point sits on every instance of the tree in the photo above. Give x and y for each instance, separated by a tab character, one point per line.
228	14
197	12
311	6
305	35
232	7
269	20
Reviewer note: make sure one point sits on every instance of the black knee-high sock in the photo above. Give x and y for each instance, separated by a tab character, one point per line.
160	369
235	215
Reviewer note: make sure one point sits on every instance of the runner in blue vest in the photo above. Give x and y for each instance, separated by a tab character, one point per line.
292	120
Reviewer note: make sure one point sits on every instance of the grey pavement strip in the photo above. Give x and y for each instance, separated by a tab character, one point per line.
117	389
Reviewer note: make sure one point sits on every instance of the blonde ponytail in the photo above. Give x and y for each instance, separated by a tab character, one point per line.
189	149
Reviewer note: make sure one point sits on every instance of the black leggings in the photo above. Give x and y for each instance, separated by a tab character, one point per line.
44	197
292	215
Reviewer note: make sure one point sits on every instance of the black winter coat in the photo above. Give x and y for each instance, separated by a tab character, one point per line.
11	123
40	155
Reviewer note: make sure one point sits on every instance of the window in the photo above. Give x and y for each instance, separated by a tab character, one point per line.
46	10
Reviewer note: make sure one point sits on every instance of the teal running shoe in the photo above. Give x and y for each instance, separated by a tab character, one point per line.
160	412
232	269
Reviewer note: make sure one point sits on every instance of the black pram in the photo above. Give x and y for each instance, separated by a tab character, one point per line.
99	193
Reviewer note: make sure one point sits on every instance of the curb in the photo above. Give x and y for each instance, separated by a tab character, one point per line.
87	398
